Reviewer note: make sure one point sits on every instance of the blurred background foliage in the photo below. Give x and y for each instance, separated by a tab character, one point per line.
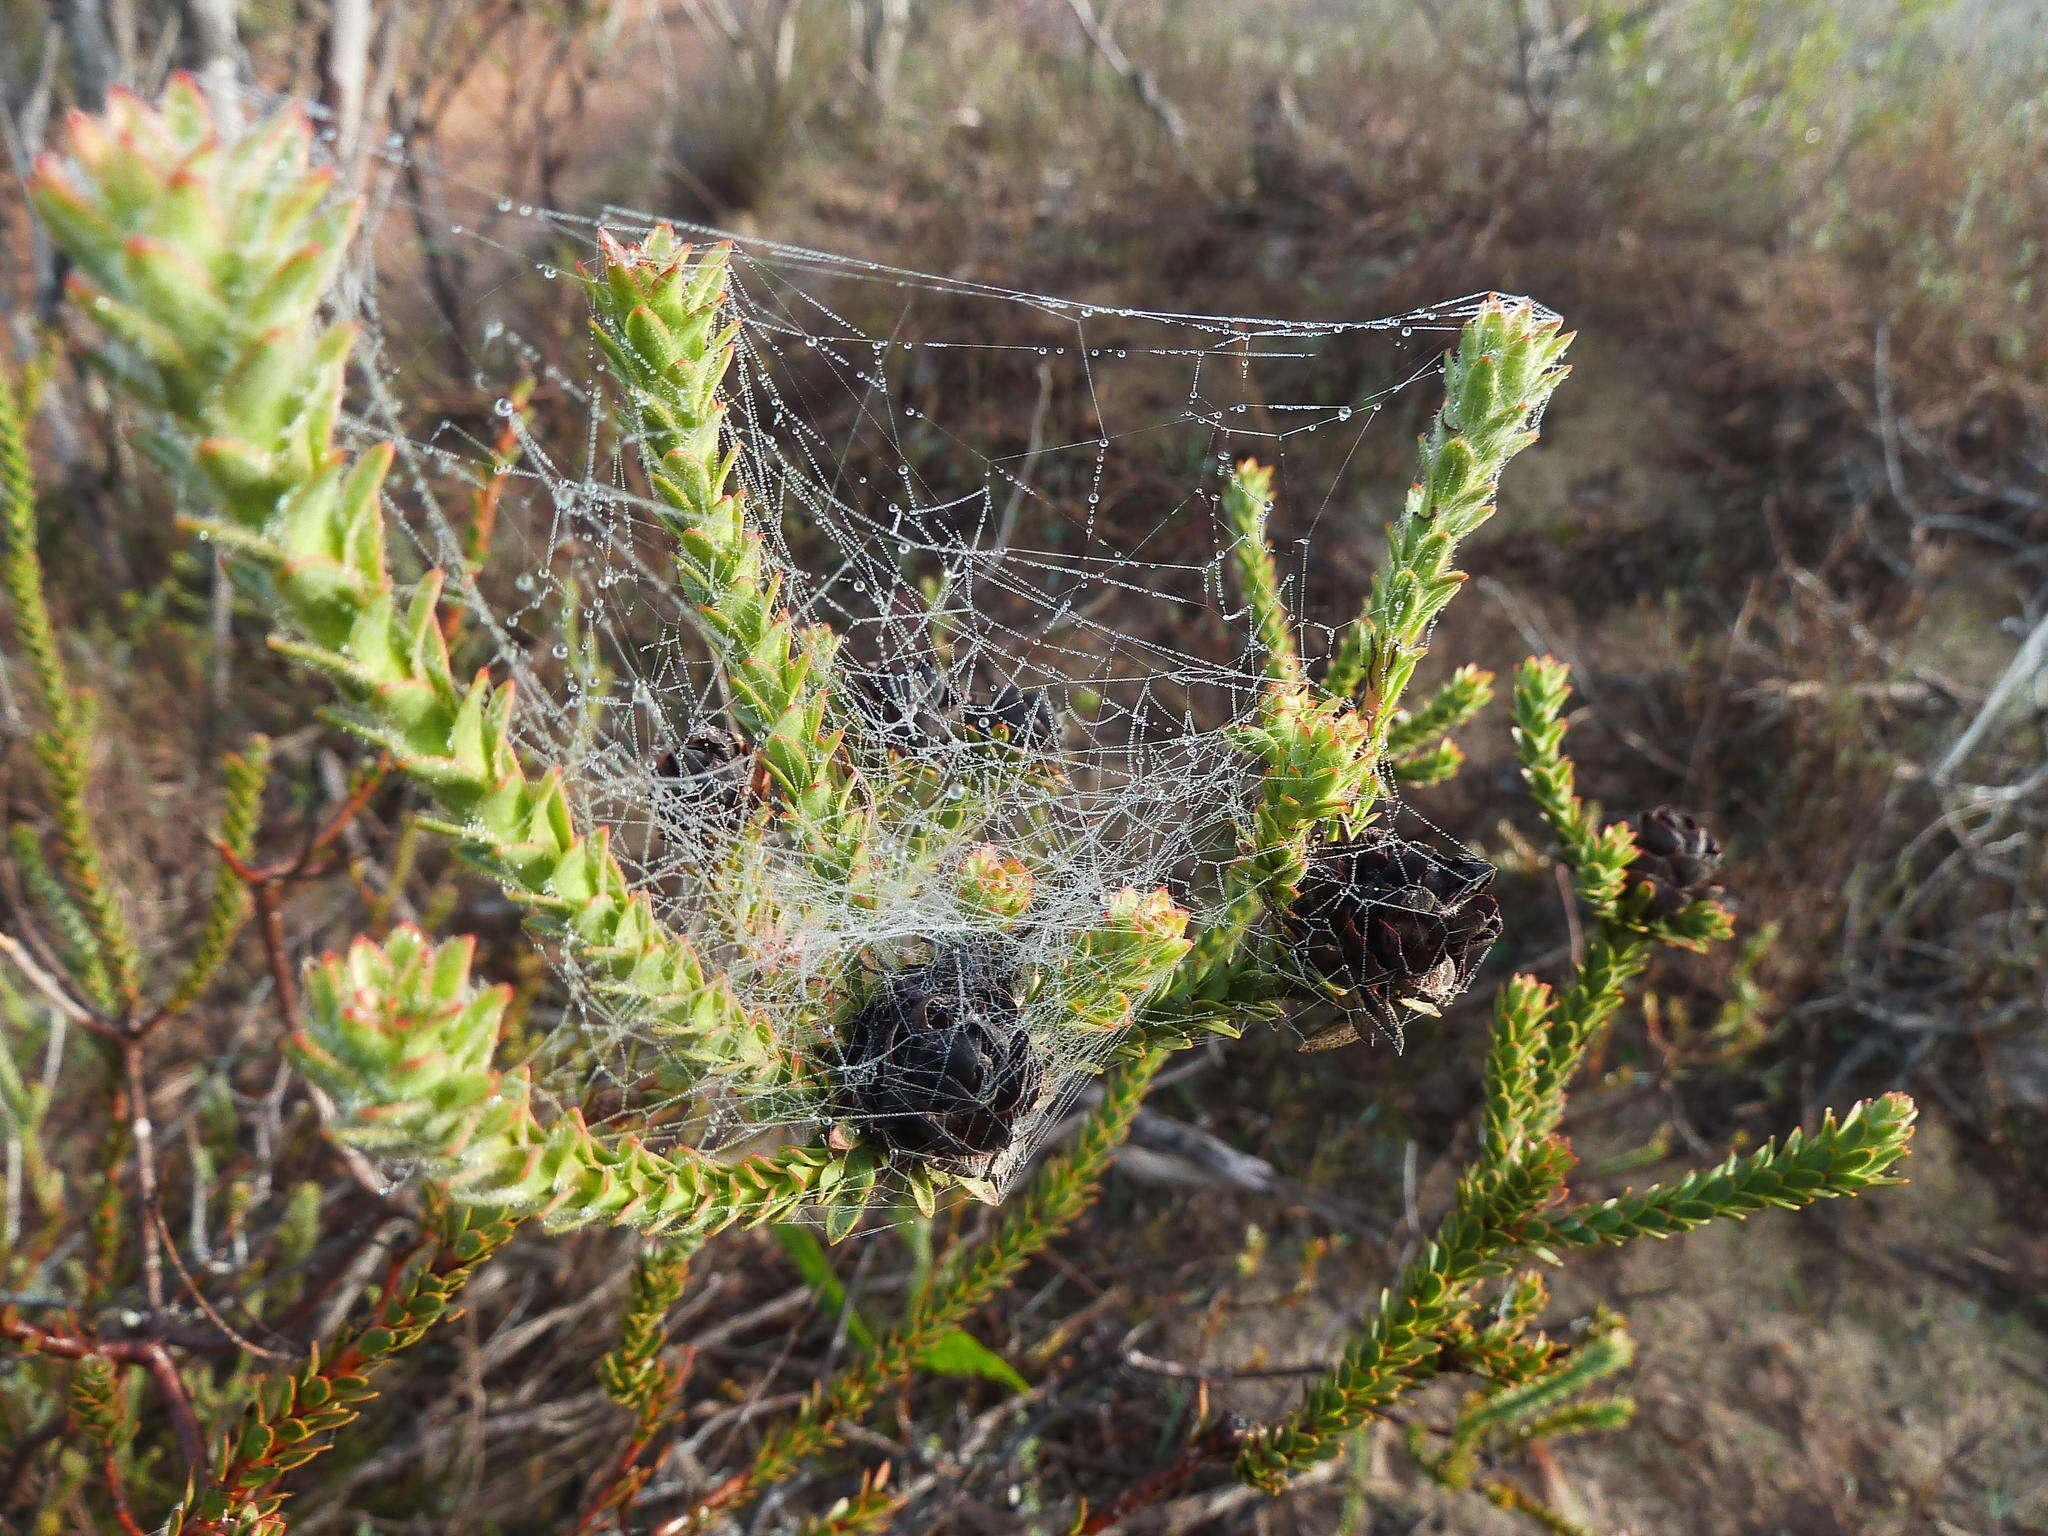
1790	524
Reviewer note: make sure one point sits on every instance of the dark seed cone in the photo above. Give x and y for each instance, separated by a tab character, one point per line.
938	1065
1675	858
711	767
1394	923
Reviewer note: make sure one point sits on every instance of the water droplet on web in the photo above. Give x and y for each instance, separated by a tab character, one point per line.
1120	352
502	406
526	210
549	273
524	583
1343	413
1407	330
560	652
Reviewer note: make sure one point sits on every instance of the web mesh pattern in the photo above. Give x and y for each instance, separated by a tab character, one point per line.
1009	507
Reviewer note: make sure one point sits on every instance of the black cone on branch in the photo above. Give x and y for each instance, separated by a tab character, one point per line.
938	1065
1396	924
1676	858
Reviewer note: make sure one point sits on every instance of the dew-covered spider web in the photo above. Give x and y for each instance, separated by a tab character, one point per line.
1008	505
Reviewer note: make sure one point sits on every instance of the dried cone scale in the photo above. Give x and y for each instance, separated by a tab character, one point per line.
1676	859
937	1065
1394	924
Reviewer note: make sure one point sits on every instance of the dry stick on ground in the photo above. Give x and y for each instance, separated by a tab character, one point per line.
1140	81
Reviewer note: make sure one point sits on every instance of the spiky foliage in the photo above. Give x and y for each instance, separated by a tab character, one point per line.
1318	769
866	1509
1058	1193
1542	1404
296	1417
403	1041
243	777
1324	757
1844	1157
1419	748
1598	855
63	748
202	266
1427	1321
1503	372
201	270
1247	507
661	320
634	1373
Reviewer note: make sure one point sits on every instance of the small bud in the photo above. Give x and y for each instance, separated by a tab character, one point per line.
991	883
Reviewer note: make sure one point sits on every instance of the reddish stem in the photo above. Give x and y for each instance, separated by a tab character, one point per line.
149	1354
1219	1443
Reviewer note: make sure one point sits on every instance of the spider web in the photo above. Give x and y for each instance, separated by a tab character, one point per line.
1009	505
